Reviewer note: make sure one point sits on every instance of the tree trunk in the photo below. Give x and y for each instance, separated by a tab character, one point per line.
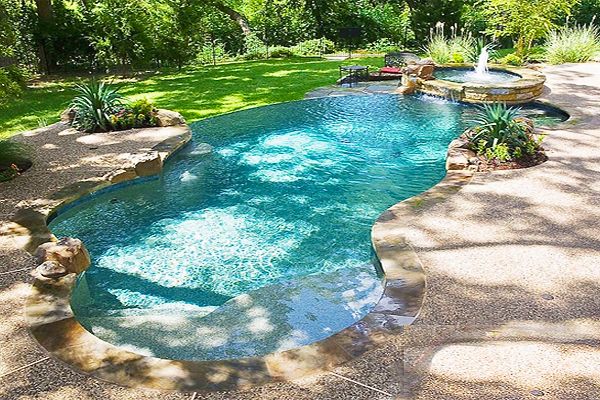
235	16
46	19
44	10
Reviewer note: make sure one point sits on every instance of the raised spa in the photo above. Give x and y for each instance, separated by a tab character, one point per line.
256	238
504	84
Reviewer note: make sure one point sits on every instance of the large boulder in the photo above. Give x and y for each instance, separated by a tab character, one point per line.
52	270
121	175
169	118
527	123
422	69
409	85
459	158
426	72
68	252
147	164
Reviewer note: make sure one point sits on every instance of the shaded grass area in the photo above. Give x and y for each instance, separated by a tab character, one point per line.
195	93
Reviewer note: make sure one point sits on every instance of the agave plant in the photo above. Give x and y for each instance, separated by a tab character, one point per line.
502	128
93	106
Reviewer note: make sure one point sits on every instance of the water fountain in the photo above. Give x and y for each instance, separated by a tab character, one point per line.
481	84
481	69
480	74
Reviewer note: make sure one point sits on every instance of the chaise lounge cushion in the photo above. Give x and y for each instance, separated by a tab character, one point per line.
390	70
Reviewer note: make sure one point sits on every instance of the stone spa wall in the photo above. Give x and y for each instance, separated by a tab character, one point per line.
529	87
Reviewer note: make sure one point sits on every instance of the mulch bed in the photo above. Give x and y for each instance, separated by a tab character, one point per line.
7	172
528	161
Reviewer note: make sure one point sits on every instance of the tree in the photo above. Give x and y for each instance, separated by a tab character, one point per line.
8	31
45	25
586	11
236	16
524	21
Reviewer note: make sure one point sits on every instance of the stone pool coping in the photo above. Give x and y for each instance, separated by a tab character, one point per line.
30	222
52	323
529	87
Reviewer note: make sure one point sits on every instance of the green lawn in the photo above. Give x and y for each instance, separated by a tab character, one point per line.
196	94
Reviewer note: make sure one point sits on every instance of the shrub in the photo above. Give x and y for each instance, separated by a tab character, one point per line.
314	47
14	159
572	44
205	55
12	80
94	105
254	48
457	48
511	59
139	114
383	45
477	48
500	133
536	54
281	52
141	106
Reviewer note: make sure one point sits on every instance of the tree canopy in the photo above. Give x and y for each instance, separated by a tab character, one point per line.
64	35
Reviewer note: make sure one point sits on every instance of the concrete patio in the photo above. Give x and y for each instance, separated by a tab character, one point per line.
513	274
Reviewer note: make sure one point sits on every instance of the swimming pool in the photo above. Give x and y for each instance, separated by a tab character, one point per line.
256	238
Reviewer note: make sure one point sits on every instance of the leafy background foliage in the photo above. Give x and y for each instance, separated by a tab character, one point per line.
59	39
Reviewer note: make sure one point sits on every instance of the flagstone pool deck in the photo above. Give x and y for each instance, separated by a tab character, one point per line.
512	261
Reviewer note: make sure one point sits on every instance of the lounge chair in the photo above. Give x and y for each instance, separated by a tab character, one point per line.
394	62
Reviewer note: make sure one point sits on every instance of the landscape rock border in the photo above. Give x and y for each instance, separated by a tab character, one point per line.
29	224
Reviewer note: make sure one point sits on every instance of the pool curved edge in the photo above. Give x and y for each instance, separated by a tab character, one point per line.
52	323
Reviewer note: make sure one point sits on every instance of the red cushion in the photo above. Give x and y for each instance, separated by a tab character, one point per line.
390	70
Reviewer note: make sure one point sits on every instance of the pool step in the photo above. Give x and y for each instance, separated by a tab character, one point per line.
272	318
166	310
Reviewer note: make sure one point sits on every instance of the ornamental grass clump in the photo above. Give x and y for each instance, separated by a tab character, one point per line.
572	44
455	49
501	134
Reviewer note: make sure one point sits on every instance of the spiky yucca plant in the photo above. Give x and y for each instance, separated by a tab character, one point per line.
497	122
93	106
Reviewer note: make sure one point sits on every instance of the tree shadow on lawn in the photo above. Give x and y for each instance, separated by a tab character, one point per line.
196	94
216	90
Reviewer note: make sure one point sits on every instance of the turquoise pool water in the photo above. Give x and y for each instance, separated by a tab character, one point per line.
257	236
462	75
